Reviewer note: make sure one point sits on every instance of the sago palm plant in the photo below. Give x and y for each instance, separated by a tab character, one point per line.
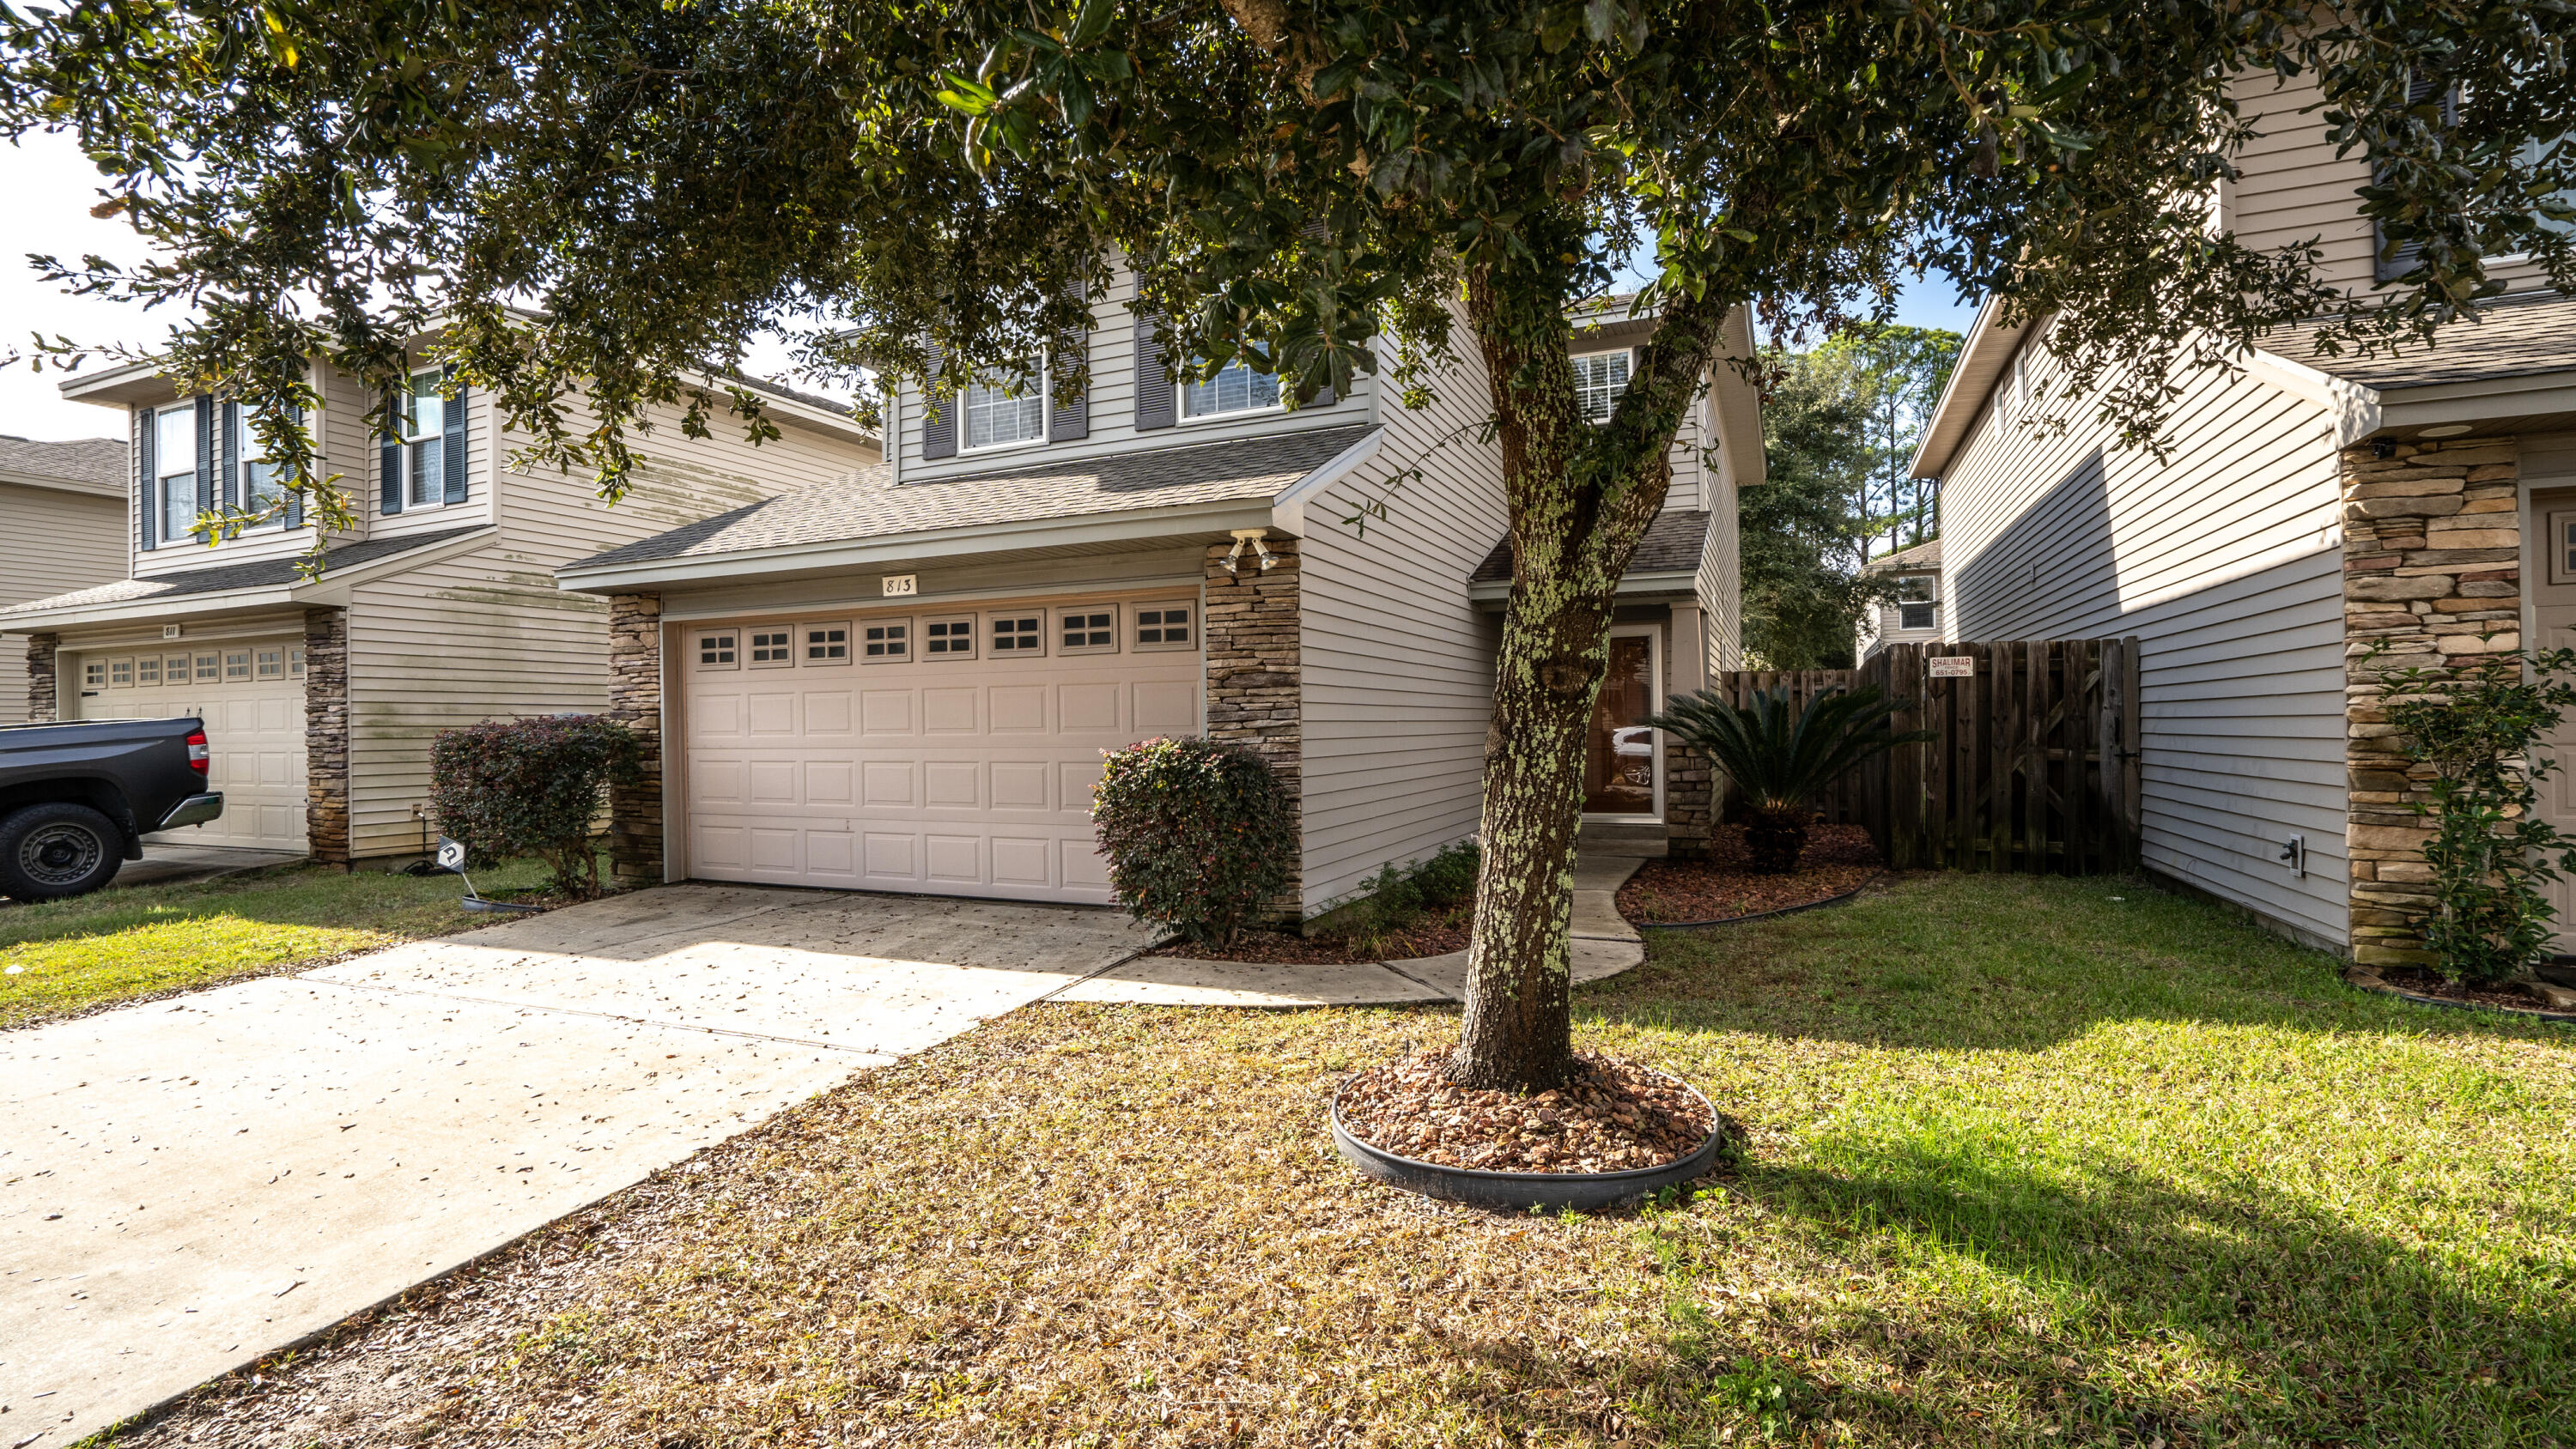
1783	758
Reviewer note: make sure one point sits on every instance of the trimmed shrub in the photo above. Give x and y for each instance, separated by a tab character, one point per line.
1199	835
532	787
1400	895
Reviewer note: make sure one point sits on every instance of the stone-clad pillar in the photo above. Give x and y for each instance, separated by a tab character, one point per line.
326	735
2432	571
635	698
44	690
1253	676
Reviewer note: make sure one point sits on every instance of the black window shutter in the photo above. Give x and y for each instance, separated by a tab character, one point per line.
295	501
454	451
938	415
389	489
1157	406
144	478
228	450
2387	265
1071	421
205	455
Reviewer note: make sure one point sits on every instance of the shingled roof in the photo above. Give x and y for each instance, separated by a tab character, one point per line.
96	461
222	578
1920	556
1671	546
869	504
2512	338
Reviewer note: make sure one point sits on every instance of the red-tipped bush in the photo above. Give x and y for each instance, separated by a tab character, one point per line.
532	787
1199	836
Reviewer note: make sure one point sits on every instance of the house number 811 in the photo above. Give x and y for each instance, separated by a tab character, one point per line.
899	585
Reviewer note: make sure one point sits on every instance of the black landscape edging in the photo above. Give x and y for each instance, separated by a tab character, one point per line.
1764	915
1522	1191
2536	1013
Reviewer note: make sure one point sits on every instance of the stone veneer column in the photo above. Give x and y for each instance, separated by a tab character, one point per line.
44	691
1253	674
635	698
326	735
2432	569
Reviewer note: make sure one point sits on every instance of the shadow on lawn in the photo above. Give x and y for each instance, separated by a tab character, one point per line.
2004	963
2282	1323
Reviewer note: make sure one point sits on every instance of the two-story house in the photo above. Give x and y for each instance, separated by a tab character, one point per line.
321	695
1914	615
903	679
62	526
2310	509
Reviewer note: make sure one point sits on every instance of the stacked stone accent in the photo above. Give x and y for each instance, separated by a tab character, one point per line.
2433	571
44	691
635	698
1690	801
326	735
1253	673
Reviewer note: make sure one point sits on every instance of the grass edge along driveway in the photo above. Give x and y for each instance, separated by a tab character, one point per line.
60	958
2041	1162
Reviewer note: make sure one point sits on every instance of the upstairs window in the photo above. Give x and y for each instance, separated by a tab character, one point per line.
1002	413
1237	389
174	459
1599	379
424	441
259	485
1917	602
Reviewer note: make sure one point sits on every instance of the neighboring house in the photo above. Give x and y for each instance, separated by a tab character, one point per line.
904	679
438	609
62	526
2310	508
1914	615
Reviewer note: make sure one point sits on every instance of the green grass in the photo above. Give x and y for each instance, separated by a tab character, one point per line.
117	945
2025	1165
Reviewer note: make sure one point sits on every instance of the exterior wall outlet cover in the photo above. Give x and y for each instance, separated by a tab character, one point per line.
2294	854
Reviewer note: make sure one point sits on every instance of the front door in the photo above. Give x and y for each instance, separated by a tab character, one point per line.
2553	610
1620	777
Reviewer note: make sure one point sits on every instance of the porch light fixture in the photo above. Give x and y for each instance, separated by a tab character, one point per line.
1260	550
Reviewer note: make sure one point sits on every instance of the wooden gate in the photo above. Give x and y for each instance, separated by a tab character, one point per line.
2034	768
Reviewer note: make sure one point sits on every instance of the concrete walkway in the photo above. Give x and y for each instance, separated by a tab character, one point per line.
188	1185
1604	945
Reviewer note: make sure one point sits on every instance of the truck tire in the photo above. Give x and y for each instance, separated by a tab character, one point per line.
55	850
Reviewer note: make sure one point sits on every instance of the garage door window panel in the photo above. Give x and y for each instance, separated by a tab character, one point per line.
720	649
827	644
236	665
120	674
147	672
1165	626
272	663
948	638
210	668
773	648
1017	635
1091	629
885	641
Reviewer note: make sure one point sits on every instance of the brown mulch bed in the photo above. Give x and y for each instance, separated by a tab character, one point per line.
1612	1117
2430	983
1437	934
1838	858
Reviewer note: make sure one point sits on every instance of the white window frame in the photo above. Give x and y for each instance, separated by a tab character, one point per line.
1618	389
971	640
1137	625
781	638
1181	397
893	643
414	436
807	643
1038	394
1932	600
247	456
163	477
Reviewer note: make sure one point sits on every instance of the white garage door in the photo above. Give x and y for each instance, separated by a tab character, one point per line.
948	753
251	696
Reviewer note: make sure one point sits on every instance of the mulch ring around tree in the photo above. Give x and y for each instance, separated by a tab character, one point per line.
1612	1116
1838	859
1438	933
2503	996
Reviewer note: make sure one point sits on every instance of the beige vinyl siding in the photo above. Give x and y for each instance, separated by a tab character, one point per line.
52	541
2226	562
338	455
1398	665
1112	410
487	635
1719	582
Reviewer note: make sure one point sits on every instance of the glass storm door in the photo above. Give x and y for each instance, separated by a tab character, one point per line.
1619	750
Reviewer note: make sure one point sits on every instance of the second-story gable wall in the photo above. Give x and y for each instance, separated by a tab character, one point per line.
1110	410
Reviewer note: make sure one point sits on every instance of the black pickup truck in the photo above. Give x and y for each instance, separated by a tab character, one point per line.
77	799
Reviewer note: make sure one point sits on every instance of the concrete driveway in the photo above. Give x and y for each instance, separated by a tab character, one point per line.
187	1185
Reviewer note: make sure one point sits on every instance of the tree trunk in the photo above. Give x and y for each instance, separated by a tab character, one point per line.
1581	497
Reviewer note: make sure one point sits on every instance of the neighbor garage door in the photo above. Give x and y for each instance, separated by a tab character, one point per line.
944	752
251	696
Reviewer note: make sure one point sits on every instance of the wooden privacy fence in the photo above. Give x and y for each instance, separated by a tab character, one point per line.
2034	768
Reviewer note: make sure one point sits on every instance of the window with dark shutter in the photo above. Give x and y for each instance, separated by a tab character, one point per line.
2389	263
146	534
1071	421
389	453
453	448
1157	401
938	415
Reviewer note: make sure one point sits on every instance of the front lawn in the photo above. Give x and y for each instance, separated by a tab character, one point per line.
65	956
2031	1162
